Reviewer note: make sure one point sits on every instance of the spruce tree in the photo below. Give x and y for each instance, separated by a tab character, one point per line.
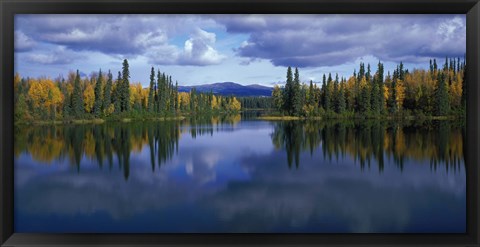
365	105
77	97
379	82
107	96
361	72
328	94
156	104
126	86
67	102
322	92
375	101
117	99
393	96
151	94
97	106
297	94
335	94
311	94
443	105
341	99
176	96
288	92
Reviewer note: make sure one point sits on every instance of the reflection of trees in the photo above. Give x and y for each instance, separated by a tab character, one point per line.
206	125
438	142
102	142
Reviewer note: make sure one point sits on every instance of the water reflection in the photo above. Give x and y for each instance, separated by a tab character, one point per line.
367	142
47	144
440	142
231	175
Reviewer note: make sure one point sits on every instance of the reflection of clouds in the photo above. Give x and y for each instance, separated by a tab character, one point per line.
319	195
69	193
316	192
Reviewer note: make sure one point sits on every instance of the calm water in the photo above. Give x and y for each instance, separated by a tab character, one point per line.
240	175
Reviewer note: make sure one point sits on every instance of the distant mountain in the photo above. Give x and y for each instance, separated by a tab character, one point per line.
230	88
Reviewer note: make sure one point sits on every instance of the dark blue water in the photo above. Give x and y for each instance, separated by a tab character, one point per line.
232	175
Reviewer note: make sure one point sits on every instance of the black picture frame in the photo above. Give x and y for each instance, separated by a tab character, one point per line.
8	8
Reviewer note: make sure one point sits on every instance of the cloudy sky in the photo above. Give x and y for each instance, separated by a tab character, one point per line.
247	49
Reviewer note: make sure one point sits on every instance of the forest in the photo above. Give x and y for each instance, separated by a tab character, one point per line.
99	96
437	92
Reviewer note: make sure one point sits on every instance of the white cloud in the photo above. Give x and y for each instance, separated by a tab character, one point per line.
198	50
23	42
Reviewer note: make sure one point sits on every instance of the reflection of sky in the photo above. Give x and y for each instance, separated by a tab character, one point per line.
235	181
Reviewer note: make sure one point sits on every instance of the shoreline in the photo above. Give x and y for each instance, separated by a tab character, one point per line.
265	118
407	118
126	119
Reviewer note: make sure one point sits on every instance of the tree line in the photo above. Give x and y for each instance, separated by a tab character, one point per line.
432	92
101	96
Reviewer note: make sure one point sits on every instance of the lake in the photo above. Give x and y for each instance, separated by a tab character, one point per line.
237	174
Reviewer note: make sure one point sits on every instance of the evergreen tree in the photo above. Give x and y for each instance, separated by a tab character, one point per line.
361	72
401	72
97	107
368	74
328	94
288	92
117	99
125	87
335	94
379	82
67	101
108	92
77	97
297	94
176	96
311	94
341	105
365	105
322	92
375	100
431	67
151	95
155	92
172	98
392	100
162	90
443	105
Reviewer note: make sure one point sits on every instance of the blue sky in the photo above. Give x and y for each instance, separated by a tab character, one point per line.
247	49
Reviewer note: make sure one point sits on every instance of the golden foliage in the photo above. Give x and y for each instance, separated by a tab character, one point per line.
88	97
399	93
44	94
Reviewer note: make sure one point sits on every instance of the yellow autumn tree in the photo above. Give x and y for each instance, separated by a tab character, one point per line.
399	93
234	105
136	95
45	96
386	95
215	104
350	88
88	97
183	100
455	91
